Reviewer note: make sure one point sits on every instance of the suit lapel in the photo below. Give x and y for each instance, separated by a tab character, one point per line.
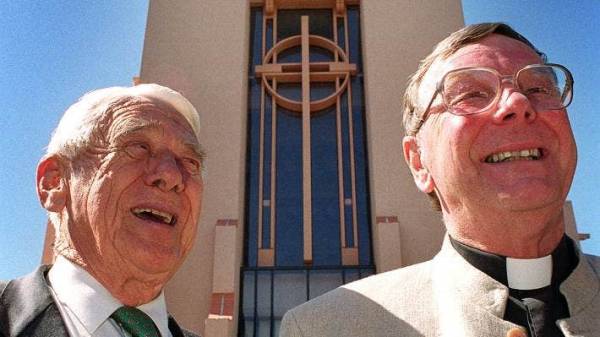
49	324
176	331
582	291
27	307
174	328
470	303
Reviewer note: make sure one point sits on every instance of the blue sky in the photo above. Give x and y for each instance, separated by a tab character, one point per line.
51	52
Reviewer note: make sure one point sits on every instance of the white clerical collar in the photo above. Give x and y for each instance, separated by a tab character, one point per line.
93	304
529	274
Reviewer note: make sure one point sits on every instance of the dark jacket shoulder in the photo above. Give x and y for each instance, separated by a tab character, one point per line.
178	331
27	307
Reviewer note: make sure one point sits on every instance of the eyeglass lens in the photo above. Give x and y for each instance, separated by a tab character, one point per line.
468	91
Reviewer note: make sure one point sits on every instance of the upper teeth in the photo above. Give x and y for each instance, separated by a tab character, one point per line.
166	217
529	154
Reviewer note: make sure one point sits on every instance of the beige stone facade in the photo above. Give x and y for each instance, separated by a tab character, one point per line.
201	49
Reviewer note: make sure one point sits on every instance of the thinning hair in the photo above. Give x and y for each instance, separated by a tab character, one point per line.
82	123
470	34
82	120
412	112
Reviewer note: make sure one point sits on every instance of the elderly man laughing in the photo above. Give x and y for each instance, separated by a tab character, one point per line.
122	184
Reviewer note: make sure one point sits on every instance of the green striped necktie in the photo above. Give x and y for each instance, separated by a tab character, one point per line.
136	322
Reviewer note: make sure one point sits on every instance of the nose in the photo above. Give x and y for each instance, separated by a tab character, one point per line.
164	173
514	106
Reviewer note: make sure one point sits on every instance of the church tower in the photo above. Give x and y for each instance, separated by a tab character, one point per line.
307	188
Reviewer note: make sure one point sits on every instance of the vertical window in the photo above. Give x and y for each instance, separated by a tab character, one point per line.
307	209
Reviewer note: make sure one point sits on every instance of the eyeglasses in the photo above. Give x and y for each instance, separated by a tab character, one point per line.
472	90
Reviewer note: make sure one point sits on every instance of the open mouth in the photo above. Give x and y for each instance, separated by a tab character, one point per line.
506	156
154	215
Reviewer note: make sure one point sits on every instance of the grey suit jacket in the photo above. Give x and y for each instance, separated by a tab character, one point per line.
27	309
442	297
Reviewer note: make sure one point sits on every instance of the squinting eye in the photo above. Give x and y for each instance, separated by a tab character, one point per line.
475	97
538	90
137	150
192	166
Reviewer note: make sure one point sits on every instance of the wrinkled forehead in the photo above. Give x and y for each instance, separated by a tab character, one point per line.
495	51
136	113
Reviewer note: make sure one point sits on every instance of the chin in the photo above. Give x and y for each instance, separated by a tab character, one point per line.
530	202
156	263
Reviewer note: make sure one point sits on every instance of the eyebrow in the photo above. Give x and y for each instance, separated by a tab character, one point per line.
195	148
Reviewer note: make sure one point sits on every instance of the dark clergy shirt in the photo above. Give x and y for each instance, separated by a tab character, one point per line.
538	309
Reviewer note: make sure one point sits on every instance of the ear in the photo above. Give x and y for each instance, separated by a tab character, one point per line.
420	173
51	183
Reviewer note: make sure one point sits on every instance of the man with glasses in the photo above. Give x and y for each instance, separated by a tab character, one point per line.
488	138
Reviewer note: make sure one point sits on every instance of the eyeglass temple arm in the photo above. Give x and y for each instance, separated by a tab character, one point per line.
569	86
425	115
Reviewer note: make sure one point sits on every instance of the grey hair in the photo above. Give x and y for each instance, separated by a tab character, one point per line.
412	112
468	35
80	124
82	119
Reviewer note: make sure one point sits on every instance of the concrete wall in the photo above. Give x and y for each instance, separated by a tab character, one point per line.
396	35
201	49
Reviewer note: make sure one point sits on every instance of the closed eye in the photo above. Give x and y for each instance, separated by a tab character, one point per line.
137	150
540	90
469	97
191	165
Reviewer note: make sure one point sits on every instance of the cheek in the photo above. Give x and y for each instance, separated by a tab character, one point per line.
99	208
194	193
195	196
451	144
568	146
104	200
561	127
188	236
570	151
568	162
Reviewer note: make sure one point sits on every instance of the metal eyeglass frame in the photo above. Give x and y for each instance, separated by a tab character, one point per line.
439	88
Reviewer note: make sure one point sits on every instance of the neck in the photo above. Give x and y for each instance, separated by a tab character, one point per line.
135	292
125	282
130	289
519	238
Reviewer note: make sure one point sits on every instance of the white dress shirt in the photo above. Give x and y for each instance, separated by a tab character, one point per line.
86	306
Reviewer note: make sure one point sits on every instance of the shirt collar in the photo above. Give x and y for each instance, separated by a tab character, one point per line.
529	274
157	310
90	302
560	264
